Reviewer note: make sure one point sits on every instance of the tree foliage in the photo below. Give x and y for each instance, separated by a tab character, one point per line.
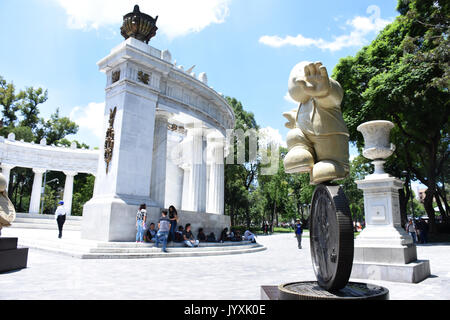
402	76
20	115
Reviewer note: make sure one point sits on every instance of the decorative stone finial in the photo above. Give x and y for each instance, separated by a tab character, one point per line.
138	25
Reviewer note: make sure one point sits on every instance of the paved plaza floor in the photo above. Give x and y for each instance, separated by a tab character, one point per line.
55	276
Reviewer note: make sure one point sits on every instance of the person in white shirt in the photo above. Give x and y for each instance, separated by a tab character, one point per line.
249	236
60	216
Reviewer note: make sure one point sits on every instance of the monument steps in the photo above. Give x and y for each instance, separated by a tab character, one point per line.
38	221
87	249
186	252
171	249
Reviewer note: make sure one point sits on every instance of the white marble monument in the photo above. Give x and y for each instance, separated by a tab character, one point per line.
383	250
156	144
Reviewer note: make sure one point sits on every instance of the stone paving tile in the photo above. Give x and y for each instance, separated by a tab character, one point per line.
54	276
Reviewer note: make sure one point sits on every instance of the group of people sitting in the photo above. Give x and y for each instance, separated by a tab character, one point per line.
167	231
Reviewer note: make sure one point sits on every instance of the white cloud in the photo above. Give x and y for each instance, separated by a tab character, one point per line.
269	135
90	118
176	17
361	27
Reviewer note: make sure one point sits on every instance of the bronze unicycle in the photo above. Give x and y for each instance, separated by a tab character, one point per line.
331	237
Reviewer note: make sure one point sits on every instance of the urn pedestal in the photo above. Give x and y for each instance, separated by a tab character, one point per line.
383	250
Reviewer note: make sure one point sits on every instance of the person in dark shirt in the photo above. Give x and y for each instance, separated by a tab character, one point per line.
151	233
211	237
298	233
173	217
224	235
201	235
188	237
179	234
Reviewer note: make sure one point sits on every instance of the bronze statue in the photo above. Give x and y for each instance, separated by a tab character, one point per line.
109	139
139	25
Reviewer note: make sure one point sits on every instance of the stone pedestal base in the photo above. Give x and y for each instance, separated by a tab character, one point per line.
412	272
112	219
393	254
11	257
310	290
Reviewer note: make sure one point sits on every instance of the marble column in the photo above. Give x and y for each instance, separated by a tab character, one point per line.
185	203
68	190
36	191
6	171
197	178
215	203
158	177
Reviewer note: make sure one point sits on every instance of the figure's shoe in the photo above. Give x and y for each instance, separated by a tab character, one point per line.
327	170
298	159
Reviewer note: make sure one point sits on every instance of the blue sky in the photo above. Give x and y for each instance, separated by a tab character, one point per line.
247	47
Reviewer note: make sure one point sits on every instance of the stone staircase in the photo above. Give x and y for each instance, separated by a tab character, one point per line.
45	221
37	231
86	249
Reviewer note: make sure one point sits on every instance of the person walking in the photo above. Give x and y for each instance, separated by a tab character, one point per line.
163	230
60	216
173	217
298	233
141	217
411	229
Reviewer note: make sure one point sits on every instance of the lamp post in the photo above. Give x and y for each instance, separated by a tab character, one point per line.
406	174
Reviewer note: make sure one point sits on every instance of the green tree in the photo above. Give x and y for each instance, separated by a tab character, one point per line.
402	76
56	128
9	102
20	115
29	106
240	178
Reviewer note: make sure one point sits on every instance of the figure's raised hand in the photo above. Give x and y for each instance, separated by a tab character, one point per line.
317	83
291	116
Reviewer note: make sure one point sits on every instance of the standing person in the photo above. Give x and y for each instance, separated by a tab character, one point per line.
188	237
411	229
423	231
298	233
141	217
173	217
163	230
265	227
60	216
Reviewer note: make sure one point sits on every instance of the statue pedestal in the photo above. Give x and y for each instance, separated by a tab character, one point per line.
383	250
310	290
11	257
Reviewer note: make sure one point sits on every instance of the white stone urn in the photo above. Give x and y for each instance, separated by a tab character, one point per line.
376	142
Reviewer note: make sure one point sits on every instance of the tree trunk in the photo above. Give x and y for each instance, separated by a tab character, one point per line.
247	218
441	208
428	204
403	205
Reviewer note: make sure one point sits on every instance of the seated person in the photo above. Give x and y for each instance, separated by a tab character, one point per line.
211	237
249	236
237	236
179	234
188	237
201	236
224	235
151	233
